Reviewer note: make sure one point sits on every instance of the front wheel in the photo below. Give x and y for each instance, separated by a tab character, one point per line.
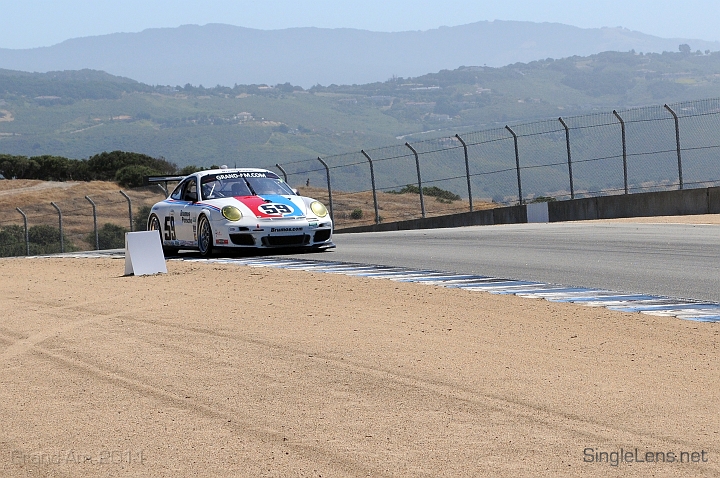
154	225
205	236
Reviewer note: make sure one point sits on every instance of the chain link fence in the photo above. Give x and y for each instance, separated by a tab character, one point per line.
620	152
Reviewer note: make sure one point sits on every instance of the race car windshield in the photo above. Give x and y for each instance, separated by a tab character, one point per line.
269	186
238	184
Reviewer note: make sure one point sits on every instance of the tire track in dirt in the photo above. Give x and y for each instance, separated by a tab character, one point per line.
21	343
461	397
229	420
334	461
516	408
32	344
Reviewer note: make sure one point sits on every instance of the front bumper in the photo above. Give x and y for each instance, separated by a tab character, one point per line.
276	233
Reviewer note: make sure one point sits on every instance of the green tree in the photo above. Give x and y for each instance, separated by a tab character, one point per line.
187	170
444	106
283	128
105	166
19	167
53	168
132	176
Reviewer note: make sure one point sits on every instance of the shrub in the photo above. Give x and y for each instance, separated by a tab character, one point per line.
140	218
356	214
435	191
441	193
110	236
543	199
45	239
12	241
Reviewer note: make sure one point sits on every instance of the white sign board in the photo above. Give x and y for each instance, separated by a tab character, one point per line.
537	212
144	254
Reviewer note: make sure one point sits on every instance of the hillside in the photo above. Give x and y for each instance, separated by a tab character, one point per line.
218	54
79	114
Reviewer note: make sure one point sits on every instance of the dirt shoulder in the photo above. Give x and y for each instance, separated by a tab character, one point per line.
220	370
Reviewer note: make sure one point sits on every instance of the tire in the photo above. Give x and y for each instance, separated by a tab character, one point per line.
205	236
154	225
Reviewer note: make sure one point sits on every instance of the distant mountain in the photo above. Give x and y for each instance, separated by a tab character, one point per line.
217	54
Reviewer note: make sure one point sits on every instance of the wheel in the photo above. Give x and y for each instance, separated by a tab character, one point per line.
154	225
205	236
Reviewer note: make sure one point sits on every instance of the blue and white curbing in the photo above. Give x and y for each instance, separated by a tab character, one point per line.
686	309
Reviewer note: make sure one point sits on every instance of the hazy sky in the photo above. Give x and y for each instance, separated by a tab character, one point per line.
33	23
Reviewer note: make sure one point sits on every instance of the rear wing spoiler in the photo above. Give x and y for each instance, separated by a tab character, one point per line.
162	181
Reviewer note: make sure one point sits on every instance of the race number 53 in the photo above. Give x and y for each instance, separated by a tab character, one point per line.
170	228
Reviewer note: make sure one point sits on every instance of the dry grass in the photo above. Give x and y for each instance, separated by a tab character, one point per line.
391	207
34	198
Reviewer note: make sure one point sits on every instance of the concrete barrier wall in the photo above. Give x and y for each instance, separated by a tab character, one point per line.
574	210
452	220
713	200
662	203
502	215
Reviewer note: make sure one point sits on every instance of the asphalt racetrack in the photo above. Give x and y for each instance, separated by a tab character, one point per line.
677	260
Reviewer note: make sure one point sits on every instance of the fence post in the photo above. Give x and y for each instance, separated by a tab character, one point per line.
129	209
677	142
62	243
567	141
282	171
624	146
372	182
417	166
97	238
27	235
327	173
467	170
517	163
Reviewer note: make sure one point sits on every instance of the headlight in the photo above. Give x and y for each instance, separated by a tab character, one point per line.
318	208
231	213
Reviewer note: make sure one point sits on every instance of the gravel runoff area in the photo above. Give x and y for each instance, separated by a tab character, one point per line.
220	370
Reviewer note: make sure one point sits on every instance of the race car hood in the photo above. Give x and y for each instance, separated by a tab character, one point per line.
273	206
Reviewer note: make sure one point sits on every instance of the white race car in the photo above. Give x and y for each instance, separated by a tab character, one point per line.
238	208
